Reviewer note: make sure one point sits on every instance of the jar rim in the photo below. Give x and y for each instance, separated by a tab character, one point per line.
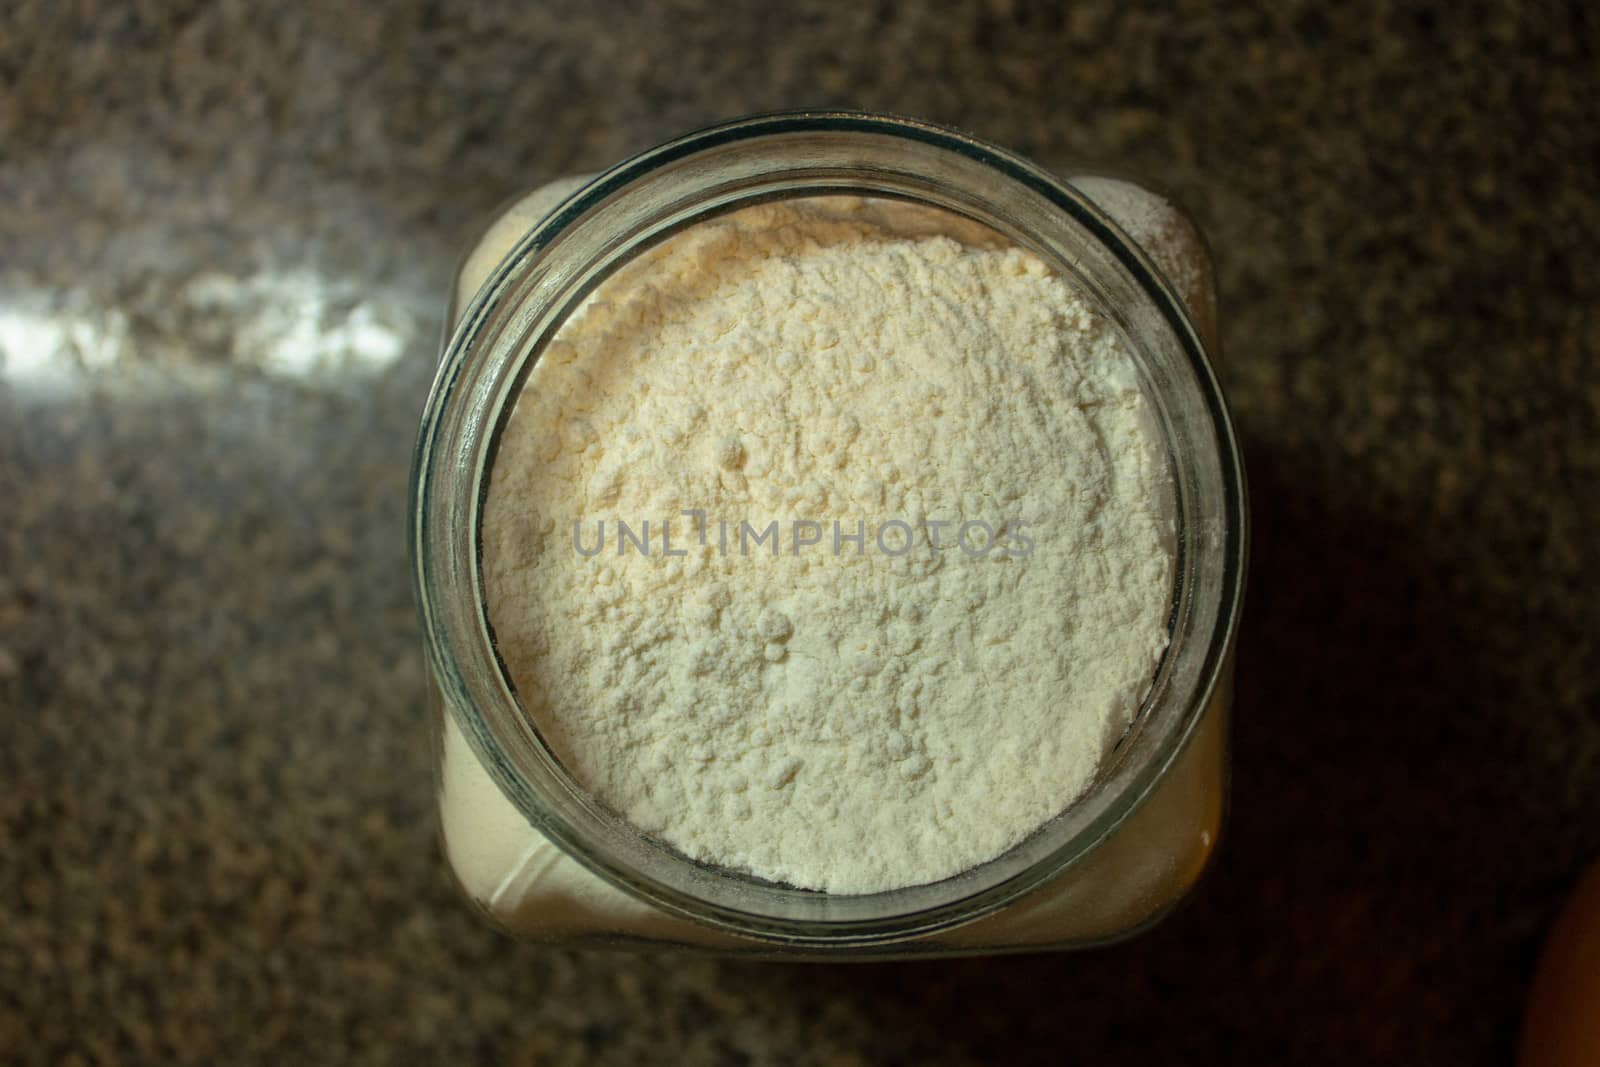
575	246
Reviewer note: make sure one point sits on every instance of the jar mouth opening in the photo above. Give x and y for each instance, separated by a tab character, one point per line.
631	207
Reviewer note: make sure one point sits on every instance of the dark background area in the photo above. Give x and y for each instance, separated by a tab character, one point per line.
226	234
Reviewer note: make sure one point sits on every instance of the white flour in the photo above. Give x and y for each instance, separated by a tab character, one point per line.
857	721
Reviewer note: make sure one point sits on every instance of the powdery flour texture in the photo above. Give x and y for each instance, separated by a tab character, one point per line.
837	717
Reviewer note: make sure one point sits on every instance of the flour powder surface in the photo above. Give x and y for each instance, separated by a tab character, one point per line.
829	541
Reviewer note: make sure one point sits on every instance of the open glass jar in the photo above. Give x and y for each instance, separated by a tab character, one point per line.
538	854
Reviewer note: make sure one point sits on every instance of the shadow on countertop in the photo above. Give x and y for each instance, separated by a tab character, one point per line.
1332	924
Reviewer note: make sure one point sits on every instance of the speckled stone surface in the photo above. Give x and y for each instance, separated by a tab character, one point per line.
225	236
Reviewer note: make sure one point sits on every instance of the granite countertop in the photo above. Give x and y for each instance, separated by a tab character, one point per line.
226	233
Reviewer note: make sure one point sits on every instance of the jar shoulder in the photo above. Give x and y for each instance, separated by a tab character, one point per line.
1152	219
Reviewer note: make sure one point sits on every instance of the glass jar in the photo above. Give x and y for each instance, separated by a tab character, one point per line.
537	854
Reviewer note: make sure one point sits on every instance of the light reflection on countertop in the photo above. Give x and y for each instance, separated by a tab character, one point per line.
295	324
